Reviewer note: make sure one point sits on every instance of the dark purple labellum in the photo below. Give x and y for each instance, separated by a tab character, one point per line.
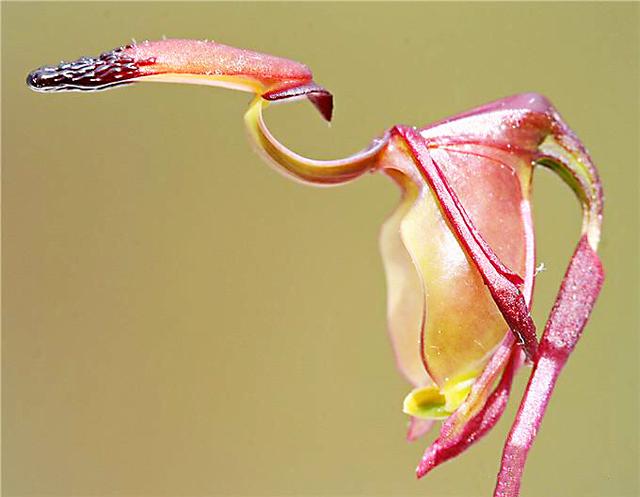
109	69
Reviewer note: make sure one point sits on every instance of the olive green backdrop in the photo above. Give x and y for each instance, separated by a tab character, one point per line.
179	320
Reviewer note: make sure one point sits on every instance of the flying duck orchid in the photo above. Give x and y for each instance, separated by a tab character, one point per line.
459	251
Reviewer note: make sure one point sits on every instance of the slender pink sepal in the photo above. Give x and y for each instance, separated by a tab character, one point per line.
578	293
505	293
445	448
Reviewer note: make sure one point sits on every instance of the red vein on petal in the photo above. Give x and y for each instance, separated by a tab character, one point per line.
446	141
453	150
512	276
505	293
577	295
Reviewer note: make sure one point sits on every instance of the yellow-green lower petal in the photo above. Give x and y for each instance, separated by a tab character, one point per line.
431	402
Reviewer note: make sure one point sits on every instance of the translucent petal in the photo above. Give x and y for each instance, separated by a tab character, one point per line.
462	325
405	293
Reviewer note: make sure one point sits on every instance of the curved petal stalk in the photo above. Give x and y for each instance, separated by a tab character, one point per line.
318	172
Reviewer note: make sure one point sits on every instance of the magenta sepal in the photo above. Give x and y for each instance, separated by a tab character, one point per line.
449	445
504	291
578	293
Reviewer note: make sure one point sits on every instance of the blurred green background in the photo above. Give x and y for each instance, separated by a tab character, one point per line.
179	320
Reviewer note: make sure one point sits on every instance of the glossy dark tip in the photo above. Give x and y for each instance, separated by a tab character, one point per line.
86	74
322	99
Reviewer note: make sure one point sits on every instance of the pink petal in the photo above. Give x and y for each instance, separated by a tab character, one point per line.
419	428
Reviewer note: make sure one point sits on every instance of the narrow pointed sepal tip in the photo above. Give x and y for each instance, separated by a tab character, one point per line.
429	461
422	469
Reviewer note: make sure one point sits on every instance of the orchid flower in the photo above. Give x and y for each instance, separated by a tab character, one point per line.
459	251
